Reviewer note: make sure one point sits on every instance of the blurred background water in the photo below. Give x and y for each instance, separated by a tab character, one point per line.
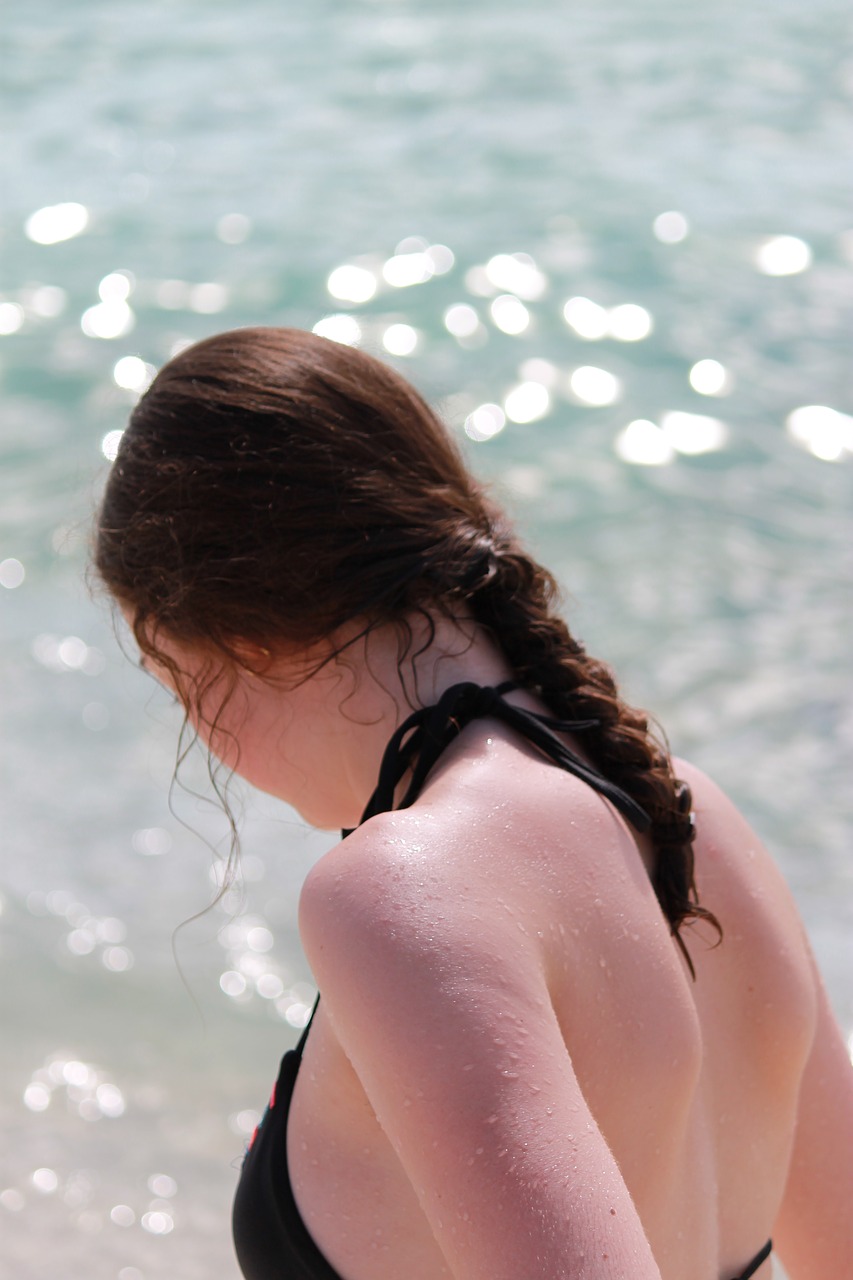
614	242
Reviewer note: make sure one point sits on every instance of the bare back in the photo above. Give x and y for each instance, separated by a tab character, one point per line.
509	918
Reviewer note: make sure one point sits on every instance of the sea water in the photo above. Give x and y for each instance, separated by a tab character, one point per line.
613	242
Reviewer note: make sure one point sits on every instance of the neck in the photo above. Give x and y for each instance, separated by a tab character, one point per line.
386	688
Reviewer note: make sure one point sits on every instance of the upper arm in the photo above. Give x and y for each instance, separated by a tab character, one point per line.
451	1031
814	1228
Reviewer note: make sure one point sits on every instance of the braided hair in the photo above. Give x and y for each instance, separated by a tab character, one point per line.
273	486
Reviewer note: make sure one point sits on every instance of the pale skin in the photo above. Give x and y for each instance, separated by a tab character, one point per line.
512	1075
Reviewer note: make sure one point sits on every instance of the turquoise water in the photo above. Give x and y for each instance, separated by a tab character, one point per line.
227	162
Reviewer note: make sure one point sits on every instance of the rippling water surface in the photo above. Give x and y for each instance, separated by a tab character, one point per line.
614	242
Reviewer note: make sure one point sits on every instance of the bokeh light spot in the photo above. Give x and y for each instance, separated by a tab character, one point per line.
107	320
709	378
629	322
461	320
405	269
341	328
644	444
110	444
527	402
671	227
45	1181
516	273
56	222
594	386
208	298
351	283
509	314
826	433
12	573
693	433
133	373
587	318
11	318
485	422
233	228
116	287
783	256
400	339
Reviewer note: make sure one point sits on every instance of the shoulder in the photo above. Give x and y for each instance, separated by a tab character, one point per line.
404	905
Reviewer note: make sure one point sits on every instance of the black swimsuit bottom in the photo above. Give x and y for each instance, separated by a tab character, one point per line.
271	1240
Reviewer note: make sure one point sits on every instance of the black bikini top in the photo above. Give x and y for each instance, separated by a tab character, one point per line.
271	1240
421	739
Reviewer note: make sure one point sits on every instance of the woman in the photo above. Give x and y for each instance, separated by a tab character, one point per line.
557	1035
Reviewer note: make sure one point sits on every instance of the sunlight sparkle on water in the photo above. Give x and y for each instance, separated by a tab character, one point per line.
643	443
351	283
157	1223
244	1122
461	320
595	386
233	228
693	433
406	269
162	1185
11	317
671	227
295	1012
46	300
133	374
485	422
232	983
12	573
710	378
110	444
538	369
586	318
516	273
208	298
45	1181
107	320
783	256
442	258
826	433
527	402
56	222
172	295
340	327
629	322
259	938
400	339
509	314
116	287
151	842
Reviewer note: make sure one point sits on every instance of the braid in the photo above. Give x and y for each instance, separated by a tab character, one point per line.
514	597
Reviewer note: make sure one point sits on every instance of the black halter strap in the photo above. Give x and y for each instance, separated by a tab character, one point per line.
417	744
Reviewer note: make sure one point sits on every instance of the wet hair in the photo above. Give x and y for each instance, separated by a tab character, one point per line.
273	486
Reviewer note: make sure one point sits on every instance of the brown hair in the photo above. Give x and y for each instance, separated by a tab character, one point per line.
273	485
